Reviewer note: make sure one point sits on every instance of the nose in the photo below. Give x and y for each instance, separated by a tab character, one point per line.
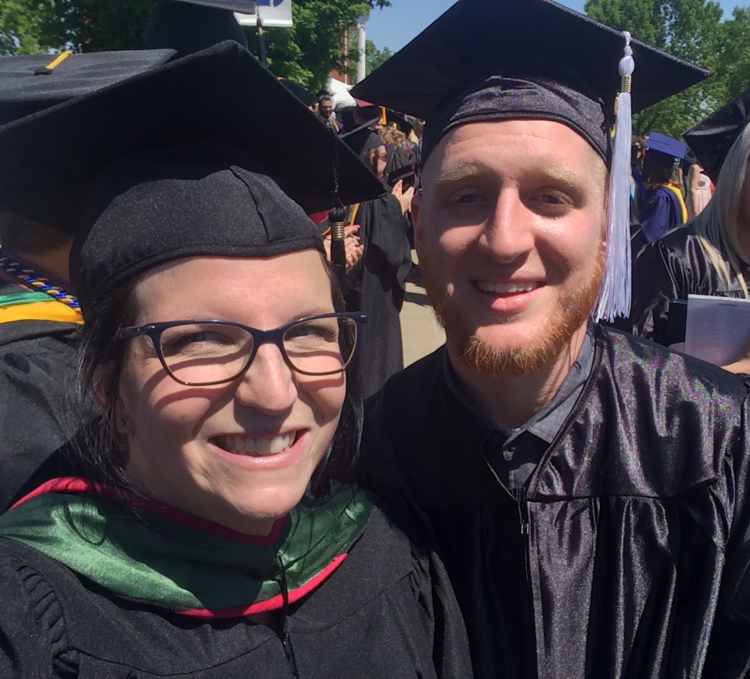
509	231
268	384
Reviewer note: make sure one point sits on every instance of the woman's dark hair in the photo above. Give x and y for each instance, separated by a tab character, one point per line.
100	452
654	171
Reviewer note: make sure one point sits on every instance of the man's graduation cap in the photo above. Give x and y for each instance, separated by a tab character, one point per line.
478	40
33	82
492	60
180	161
711	139
192	25
665	150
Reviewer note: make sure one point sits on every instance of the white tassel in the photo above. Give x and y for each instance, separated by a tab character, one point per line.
615	289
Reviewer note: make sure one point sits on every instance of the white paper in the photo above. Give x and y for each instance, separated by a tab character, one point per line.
717	328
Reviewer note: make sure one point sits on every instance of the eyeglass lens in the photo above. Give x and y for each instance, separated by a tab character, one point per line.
202	353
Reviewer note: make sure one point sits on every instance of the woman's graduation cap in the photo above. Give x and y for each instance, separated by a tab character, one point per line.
488	60
711	139
183	160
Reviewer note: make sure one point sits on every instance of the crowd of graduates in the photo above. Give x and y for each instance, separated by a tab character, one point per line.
212	461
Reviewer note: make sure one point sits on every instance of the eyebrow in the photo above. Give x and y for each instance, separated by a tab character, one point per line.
553	171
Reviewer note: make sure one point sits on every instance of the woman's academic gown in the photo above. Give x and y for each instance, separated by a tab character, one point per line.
386	612
673	268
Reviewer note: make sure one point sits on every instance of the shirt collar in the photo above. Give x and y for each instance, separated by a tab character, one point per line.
548	421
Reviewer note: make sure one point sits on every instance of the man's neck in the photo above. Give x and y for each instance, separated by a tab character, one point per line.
510	400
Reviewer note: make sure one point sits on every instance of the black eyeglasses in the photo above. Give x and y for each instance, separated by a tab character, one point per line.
201	353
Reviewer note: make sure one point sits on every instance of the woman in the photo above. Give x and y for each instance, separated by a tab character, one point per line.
663	207
209	532
708	256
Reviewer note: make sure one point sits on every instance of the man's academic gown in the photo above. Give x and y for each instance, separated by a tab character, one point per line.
627	553
673	268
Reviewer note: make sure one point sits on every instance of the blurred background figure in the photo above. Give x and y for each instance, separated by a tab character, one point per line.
663	205
377	282
699	190
325	111
710	254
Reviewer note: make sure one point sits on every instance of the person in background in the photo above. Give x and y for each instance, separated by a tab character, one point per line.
209	529
700	188
39	313
325	111
663	206
377	283
587	487
710	254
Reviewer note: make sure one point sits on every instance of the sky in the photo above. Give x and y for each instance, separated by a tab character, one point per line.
396	25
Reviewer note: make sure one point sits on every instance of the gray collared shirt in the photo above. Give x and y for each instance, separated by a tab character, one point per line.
515	453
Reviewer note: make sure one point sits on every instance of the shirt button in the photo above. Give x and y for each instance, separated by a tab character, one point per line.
508	454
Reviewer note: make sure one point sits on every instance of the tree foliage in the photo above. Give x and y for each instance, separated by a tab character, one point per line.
691	30
376	57
305	53
309	51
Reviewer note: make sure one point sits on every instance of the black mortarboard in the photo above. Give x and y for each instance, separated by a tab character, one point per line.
302	93
496	59
711	139
192	25
28	84
402	123
180	161
362	139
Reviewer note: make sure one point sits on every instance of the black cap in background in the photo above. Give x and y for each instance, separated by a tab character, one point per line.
299	91
711	139
192	25
28	85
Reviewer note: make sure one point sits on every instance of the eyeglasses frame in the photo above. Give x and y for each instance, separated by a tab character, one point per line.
274	335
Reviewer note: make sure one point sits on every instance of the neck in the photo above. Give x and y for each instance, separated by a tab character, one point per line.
509	399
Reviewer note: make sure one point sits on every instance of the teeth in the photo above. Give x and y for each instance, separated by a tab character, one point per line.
507	288
276	444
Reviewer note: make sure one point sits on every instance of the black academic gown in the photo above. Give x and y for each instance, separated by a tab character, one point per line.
37	378
386	613
628	552
673	268
376	287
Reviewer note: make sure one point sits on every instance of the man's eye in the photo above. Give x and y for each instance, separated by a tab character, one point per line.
467	198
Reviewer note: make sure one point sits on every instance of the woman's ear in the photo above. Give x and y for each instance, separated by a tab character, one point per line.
98	382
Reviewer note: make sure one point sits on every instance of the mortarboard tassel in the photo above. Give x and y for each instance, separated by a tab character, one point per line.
615	289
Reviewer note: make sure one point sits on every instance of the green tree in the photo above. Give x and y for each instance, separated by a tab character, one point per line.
376	57
734	68
309	51
305	53
689	29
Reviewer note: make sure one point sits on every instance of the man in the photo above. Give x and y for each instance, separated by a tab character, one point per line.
587	488
325	110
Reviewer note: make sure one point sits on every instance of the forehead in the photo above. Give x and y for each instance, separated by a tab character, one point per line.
299	275
511	146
